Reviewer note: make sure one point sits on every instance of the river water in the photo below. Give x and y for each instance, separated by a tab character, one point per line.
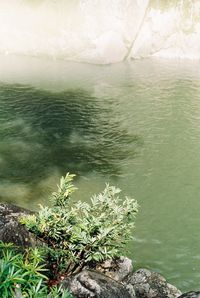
134	124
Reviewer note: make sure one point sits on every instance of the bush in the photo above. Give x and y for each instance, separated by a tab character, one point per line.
23	275
83	233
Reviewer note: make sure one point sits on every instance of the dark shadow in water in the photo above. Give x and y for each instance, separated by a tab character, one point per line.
71	131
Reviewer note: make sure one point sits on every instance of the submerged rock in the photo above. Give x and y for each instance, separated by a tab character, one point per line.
88	284
10	228
190	295
149	284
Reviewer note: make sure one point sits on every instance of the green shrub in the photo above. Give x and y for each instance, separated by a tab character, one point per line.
19	272
83	233
22	275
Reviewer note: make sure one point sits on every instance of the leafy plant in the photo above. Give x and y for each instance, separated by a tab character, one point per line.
19	272
22	275
58	292
83	233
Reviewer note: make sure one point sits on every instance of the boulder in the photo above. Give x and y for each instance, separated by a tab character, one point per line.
191	295
10	228
117	269
88	284
149	284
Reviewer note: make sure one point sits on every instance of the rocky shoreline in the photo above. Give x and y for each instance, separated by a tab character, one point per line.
111	279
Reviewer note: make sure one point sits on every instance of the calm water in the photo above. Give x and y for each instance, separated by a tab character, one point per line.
136	125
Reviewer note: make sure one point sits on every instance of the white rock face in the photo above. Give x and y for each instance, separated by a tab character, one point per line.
170	32
100	31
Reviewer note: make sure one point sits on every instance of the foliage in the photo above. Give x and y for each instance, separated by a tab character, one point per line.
83	233
22	275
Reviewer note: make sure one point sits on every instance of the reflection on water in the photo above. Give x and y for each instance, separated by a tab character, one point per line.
42	132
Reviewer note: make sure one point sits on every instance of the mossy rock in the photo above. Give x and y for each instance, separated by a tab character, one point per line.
10	228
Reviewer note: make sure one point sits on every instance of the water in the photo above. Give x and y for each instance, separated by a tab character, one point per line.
135	125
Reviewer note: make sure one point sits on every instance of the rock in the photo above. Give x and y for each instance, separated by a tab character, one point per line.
88	284
117	269
149	284
10	228
190	295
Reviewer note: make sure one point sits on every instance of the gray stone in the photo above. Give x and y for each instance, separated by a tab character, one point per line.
89	284
149	284
191	295
117	269
10	228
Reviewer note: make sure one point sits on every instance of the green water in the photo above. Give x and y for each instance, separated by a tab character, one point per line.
136	125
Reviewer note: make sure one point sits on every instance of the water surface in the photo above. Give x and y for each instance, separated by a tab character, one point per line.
135	125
